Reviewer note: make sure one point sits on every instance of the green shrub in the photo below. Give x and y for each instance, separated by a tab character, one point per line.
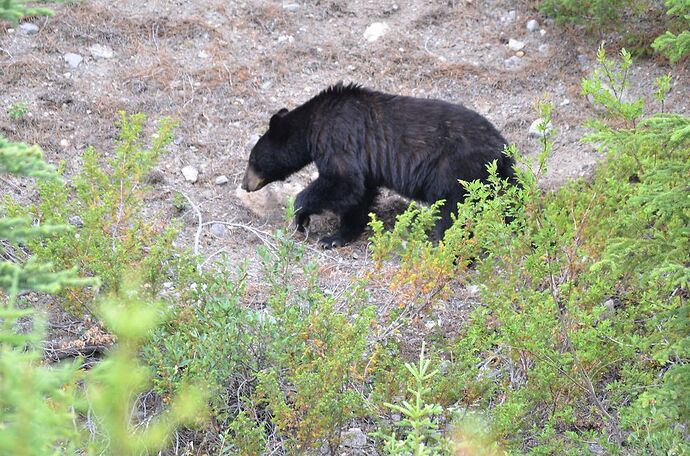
14	10
596	14
105	202
295	369
42	408
675	46
584	294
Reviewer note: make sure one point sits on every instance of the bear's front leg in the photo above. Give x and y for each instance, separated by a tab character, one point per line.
336	194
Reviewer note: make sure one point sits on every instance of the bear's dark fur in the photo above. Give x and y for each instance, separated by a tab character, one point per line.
361	140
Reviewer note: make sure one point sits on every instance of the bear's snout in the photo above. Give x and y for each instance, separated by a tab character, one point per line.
252	181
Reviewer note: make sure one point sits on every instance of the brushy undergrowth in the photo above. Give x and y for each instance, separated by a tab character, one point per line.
581	343
104	201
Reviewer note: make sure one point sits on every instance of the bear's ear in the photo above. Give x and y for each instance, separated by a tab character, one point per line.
278	126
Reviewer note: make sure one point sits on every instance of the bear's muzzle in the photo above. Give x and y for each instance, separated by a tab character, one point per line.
252	181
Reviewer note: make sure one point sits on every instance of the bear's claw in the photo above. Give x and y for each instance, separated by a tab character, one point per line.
331	242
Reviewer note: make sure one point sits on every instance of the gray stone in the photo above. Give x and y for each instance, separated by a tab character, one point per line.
354	438
222	180
291	7
515	45
100	51
28	28
543	48
73	60
75	220
218	229
534	130
513	63
512	15
532	25
376	31
190	173
253	139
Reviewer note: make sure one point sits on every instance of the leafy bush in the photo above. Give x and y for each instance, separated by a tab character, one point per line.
105	202
584	293
675	46
597	14
40	406
294	369
14	10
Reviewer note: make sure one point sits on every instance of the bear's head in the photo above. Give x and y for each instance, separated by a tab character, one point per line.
280	152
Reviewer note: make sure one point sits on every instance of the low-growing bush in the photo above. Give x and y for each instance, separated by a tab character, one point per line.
104	201
581	340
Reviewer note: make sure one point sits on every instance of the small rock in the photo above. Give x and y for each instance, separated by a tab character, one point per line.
203	55
512	15
396	417
532	25
100	51
355	256
137	86
253	139
190	173
472	290
376	31
520	53
534	130
291	7
73	60
75	220
583	61
543	48
222	180
513	63
218	229
565	102
155	176
64	143
167	285
354	438
27	28
515	45
542	32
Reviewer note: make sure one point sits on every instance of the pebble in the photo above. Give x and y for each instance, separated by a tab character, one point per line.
218	229
73	60
28	28
291	7
75	220
354	438
376	31
64	143
543	48
222	180
532	25
472	290
190	173
100	51
515	45
534	131
565	102
520	53
512	15
513	62
253	139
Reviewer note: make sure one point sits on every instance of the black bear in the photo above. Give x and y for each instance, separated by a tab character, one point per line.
361	140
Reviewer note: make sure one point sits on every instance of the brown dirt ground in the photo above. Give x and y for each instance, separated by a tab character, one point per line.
222	68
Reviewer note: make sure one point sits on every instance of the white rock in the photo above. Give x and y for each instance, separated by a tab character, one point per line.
534	130
64	143
513	62
376	31
190	173
222	180
354	438
515	45
100	51
218	229
291	7
253	139
532	25
73	60
269	203
28	28
472	289
565	102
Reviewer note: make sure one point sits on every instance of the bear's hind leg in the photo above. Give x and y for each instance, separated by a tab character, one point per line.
352	222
